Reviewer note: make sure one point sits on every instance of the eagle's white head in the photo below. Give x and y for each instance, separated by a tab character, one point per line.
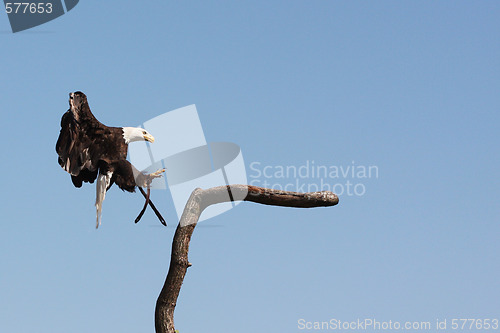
131	134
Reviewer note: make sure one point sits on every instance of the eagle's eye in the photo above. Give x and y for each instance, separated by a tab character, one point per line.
144	132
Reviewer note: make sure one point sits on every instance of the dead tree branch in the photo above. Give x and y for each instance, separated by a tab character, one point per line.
198	201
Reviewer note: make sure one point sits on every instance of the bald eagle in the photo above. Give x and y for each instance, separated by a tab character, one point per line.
89	150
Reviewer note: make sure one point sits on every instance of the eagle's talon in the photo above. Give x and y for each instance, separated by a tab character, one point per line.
157	174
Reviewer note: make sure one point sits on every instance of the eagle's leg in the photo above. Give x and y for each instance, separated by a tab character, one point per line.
156	174
145	180
151	204
145	205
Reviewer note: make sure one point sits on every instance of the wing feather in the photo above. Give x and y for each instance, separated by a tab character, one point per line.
81	148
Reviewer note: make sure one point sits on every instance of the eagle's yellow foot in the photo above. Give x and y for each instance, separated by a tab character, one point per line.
157	174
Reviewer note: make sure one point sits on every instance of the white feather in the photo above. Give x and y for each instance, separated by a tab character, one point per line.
67	165
132	134
103	181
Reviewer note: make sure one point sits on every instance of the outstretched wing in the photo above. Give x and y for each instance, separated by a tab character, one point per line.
79	154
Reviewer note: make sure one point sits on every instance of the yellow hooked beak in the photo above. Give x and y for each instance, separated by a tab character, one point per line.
149	137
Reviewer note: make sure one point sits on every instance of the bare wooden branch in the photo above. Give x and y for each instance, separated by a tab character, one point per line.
198	201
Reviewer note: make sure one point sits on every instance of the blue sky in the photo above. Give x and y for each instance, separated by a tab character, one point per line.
409	87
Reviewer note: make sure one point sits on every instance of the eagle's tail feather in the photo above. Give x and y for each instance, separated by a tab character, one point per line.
103	181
